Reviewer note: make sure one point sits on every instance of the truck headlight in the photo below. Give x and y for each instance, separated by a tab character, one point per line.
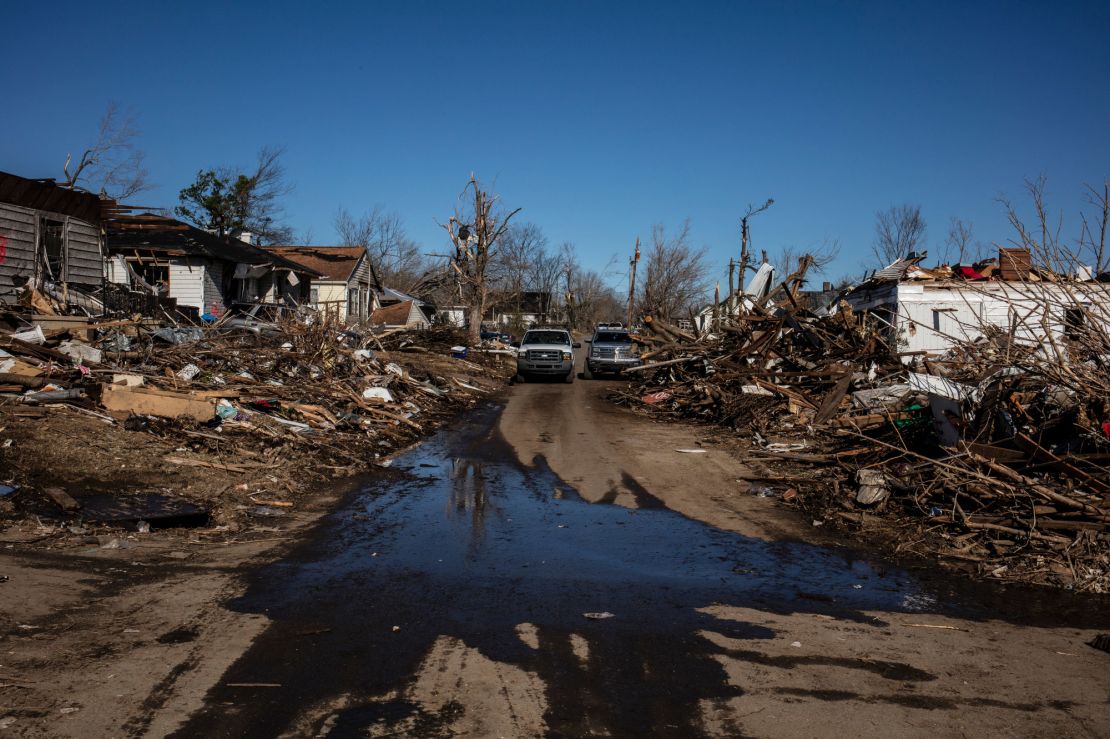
595	352
566	356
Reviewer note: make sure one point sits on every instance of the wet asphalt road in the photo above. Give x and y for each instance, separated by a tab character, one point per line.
465	542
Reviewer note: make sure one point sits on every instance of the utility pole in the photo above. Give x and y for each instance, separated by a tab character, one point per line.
632	281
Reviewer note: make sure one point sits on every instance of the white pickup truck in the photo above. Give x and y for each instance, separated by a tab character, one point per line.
546	352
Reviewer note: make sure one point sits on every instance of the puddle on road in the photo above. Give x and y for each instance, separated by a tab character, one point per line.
470	545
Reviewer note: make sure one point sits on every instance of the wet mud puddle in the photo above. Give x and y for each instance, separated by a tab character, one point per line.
468	544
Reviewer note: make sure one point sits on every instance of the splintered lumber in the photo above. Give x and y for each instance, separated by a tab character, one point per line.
657	365
832	400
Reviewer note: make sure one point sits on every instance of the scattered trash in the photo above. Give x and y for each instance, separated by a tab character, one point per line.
188	372
377	393
690	451
598	616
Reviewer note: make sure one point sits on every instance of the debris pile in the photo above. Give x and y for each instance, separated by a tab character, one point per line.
262	416
993	457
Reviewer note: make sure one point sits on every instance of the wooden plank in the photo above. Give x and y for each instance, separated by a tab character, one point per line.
155	403
832	400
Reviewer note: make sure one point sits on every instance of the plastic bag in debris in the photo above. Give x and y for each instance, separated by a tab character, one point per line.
31	336
179	335
116	342
226	410
378	393
395	369
362	355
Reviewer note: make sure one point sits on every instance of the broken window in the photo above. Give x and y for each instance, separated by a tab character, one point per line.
1074	318
52	244
157	276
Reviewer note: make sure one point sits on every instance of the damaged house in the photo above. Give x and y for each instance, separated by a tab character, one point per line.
161	255
929	311
51	239
346	286
398	309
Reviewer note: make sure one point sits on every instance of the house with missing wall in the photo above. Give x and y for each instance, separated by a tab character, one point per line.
51	239
346	289
928	310
167	257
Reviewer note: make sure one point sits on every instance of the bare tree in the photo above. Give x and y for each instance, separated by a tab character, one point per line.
1043	239
785	260
395	258
1092	239
112	164
957	244
674	279
899	230
475	231
521	246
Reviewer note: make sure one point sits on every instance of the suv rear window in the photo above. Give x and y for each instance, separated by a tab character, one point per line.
612	337
546	337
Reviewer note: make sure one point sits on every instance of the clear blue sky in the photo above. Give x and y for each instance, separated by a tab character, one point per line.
599	119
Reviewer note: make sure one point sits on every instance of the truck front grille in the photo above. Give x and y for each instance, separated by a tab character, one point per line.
544	355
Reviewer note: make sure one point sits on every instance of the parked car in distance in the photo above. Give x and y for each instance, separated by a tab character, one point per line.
546	352
614	324
611	351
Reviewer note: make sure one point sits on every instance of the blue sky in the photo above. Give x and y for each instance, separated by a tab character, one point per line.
599	119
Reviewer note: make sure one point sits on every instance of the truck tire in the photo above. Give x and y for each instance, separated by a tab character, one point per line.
586	374
570	376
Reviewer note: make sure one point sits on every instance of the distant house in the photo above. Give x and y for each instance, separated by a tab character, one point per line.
523	309
50	238
403	314
344	288
928	310
155	253
452	315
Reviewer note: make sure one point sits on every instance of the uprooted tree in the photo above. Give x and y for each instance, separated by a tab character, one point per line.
475	230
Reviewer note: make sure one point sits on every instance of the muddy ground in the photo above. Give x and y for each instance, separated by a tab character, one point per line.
445	596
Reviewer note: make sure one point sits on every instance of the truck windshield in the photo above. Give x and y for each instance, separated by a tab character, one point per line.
546	337
612	337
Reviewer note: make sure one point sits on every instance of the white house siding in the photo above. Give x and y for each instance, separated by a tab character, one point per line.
931	317
416	318
187	283
117	270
